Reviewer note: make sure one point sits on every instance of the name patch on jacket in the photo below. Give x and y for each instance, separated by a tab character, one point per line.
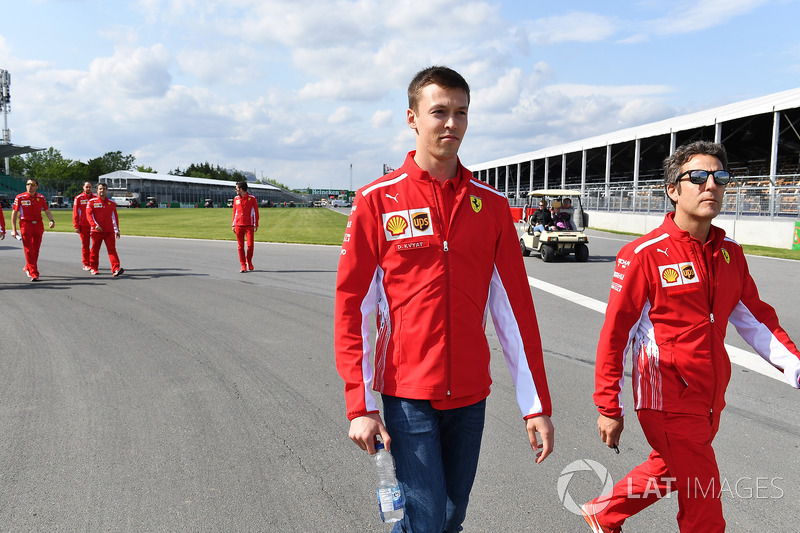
407	224
678	274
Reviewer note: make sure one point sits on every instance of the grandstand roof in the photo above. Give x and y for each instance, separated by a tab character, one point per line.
9	150
765	104
133	174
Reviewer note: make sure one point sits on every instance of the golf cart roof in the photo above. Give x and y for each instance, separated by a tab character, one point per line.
555	192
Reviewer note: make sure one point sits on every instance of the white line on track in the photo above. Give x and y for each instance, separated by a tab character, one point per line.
738	356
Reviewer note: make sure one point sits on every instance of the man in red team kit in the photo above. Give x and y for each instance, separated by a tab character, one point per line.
102	214
81	223
245	223
674	291
2	224
28	207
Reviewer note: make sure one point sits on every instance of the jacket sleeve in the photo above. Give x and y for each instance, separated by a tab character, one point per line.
114	217
357	287
757	323
255	211
514	317
90	213
2	221
76	212
626	304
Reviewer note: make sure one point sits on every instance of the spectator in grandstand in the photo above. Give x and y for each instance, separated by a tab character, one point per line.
430	249
673	293
102	214
541	219
81	223
28	208
245	224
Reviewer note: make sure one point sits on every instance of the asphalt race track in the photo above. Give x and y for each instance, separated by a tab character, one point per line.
185	396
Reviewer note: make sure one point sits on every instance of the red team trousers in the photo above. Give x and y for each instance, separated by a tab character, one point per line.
86	245
31	232
241	233
682	460
98	238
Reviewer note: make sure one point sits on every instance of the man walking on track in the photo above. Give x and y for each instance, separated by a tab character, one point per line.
245	224
102	213
673	293
28	207
81	223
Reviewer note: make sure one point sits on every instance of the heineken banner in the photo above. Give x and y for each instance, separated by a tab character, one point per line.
796	240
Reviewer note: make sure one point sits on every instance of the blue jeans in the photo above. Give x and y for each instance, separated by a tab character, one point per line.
436	453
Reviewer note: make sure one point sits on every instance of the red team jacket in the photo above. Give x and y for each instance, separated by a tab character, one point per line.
79	218
30	207
670	302
102	213
432	291
245	211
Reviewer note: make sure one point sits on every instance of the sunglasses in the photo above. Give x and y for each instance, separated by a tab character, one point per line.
699	177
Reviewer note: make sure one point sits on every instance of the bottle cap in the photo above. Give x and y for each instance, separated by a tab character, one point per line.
379	446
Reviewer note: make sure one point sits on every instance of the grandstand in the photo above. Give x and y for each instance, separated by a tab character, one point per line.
620	172
187	191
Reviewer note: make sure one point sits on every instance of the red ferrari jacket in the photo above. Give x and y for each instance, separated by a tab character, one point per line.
103	213
2	221
670	302
30	207
79	218
431	286
245	211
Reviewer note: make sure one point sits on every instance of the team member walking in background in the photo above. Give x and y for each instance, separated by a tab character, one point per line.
81	223
674	291
102	214
431	251
28	207
245	223
2	224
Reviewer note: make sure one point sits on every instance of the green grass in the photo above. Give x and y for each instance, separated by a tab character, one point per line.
298	225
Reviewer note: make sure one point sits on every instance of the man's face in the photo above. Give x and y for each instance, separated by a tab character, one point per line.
31	186
541	207
87	188
440	121
699	202
241	192
101	190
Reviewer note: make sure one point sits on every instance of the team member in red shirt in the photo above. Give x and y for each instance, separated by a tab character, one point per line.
673	294
2	224
28	207
82	224
245	223
102	213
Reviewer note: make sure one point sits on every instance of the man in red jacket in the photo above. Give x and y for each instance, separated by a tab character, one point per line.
432	251
102	214
28	207
245	223
81	223
673	293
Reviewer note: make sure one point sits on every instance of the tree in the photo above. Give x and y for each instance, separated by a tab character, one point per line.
142	168
205	170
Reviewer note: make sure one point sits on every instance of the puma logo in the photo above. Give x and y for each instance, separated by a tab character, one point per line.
664	251
393	197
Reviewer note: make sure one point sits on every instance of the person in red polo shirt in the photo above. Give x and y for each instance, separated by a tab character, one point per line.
81	222
28	208
245	223
2	224
102	214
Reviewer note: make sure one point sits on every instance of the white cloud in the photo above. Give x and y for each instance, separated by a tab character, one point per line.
572	27
382	118
138	72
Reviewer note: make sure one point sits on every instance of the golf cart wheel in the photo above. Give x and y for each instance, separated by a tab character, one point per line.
581	252
525	251
548	253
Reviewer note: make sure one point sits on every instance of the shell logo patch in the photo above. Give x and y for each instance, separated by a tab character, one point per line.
396	225
669	276
407	224
476	203
678	274
726	255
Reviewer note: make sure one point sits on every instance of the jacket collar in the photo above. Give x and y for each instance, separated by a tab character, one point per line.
716	234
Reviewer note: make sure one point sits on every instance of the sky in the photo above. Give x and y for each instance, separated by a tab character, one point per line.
313	93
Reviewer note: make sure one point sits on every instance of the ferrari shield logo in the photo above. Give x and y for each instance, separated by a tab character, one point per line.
726	255
476	203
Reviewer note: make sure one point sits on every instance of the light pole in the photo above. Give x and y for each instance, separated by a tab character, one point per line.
5	106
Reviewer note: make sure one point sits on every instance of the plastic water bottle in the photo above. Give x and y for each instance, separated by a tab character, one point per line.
390	497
